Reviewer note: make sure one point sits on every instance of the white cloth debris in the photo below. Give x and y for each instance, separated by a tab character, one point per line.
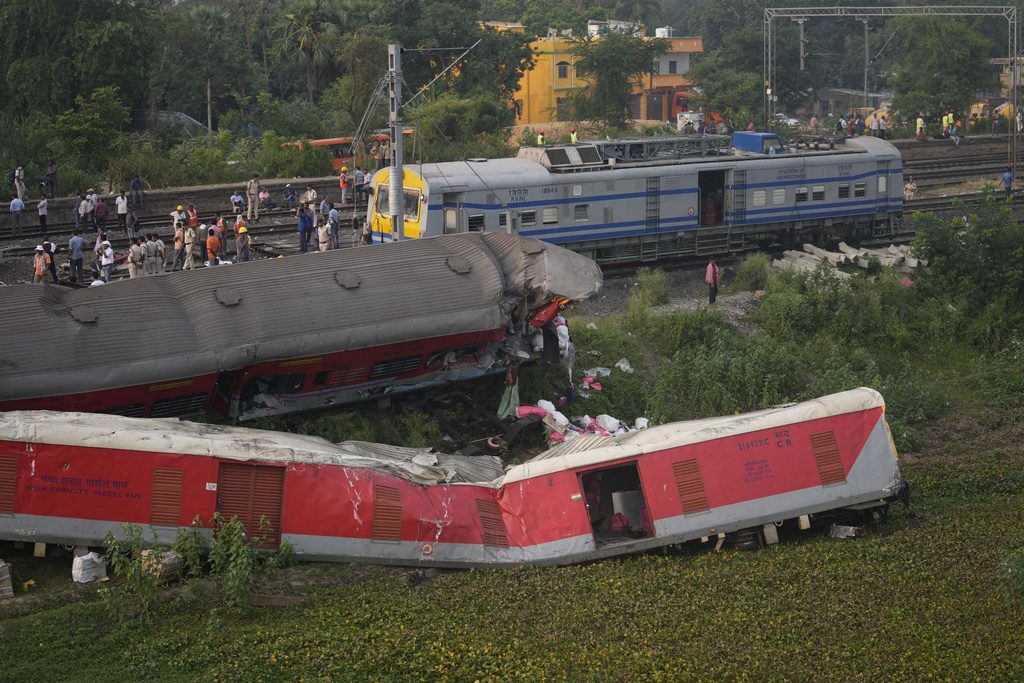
591	326
624	365
641	423
608	423
88	566
548	406
598	372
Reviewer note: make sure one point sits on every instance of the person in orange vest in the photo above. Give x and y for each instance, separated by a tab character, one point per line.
213	248
40	266
344	183
193	216
712	279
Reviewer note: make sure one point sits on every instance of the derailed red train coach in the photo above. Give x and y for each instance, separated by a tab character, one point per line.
71	478
284	335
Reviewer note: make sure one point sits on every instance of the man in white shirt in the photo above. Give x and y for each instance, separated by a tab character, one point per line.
43	206
122	210
107	261
178	216
309	198
252	189
17	206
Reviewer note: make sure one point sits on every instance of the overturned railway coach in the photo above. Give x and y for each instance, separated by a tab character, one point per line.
71	478
651	198
279	336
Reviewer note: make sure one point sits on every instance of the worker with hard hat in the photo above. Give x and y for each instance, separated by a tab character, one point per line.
179	217
572	136
540	138
344	183
242	243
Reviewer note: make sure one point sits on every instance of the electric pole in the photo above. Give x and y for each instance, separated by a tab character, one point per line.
867	62
396	194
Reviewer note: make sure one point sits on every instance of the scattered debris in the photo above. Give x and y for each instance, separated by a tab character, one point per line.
6	586
901	258
624	365
841	531
418	576
165	568
88	566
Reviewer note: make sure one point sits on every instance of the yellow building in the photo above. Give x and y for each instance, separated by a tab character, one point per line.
545	89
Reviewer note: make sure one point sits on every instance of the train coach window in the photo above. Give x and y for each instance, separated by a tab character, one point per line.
476	222
859	189
320	378
412	205
818	193
844	191
760	197
801	194
451	221
779	196
581	213
883	184
550	215
528	218
503	219
382	200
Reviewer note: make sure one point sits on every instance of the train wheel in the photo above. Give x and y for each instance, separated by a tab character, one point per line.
746	539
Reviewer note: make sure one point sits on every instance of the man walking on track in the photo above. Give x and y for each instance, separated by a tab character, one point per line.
253	192
712	279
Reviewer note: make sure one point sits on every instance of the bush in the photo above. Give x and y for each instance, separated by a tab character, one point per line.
753	272
139	585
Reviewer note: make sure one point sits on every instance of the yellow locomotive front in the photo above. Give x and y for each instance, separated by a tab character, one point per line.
414	206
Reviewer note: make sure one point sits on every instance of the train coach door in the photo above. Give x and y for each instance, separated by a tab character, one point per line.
254	494
711	185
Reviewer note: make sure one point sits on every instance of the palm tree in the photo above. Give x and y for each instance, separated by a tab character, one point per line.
646	12
306	32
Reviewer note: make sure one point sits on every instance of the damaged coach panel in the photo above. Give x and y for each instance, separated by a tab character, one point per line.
285	335
74	477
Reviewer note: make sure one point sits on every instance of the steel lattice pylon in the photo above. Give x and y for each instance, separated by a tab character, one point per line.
863	13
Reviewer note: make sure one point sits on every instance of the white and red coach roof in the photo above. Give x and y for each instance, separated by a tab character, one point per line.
418	465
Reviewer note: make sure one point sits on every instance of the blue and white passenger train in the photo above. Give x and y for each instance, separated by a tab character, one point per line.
651	198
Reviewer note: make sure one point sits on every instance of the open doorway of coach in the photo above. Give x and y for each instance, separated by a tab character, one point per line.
616	504
711	185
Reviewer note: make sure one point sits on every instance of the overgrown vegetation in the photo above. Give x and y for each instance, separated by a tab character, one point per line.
230	558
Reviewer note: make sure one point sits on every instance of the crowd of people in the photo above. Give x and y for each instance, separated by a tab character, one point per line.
319	223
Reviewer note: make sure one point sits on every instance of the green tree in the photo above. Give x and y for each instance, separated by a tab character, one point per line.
451	127
946	65
307	30
645	12
976	263
363	58
84	132
181	70
613	64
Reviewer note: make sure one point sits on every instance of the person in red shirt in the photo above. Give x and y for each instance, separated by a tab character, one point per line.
712	279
